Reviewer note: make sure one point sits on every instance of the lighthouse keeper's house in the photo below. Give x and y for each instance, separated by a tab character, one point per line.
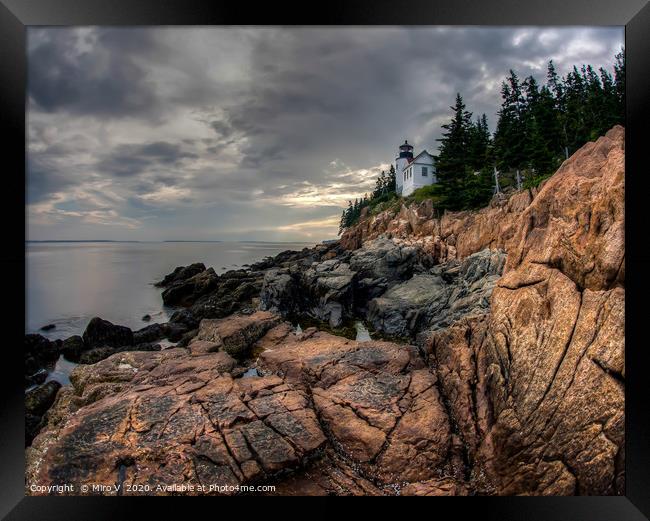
411	172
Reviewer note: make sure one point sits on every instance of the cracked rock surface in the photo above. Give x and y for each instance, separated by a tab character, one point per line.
173	418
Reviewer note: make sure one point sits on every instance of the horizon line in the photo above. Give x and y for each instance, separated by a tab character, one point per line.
172	240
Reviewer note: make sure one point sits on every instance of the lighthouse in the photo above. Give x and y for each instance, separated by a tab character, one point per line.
404	157
411	172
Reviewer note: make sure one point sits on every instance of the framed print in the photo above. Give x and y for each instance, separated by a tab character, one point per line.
370	250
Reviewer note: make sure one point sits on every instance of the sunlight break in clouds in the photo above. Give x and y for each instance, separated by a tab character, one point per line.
316	228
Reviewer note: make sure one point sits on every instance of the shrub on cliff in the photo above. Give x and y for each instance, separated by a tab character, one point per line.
432	192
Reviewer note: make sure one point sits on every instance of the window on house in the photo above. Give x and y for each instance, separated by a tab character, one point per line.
425	171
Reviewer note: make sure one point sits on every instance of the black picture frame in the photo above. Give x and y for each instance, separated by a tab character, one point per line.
15	15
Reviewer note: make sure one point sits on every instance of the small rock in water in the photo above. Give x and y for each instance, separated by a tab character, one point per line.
37	402
146	318
48	327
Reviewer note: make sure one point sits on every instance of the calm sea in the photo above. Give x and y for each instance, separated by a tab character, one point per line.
68	283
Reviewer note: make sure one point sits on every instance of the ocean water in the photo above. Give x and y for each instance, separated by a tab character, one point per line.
68	283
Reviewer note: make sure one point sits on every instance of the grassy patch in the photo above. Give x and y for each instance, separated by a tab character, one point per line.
532	182
432	192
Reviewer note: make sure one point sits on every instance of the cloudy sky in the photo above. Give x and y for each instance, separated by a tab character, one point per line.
251	133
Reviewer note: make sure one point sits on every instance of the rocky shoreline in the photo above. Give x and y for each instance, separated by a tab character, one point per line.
485	374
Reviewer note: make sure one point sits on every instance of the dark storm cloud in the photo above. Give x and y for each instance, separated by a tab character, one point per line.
44	178
261	125
65	76
222	128
130	160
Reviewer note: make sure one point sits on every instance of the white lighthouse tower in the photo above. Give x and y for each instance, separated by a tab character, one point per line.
404	157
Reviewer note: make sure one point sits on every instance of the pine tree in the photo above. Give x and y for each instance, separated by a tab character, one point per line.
541	127
349	215
619	82
479	144
391	185
577	131
452	165
556	87
342	222
611	115
509	139
380	185
595	108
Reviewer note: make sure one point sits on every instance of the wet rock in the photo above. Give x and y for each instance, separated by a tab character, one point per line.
187	338
334	290
181	273
304	257
146	318
37	402
73	347
101	332
235	292
384	260
39	353
174	331
327	291
150	333
48	327
237	333
36	379
185	292
280	291
184	317
439	297
94	355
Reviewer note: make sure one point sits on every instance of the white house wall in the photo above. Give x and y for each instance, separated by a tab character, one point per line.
417	180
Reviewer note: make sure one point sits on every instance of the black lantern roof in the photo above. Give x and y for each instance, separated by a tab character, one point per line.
406	150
